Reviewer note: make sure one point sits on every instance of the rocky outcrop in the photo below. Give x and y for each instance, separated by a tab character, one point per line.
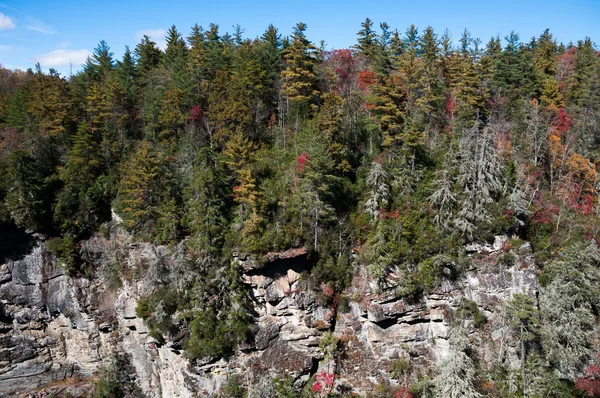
55	328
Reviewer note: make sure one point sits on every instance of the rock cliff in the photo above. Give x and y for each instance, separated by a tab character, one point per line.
57	332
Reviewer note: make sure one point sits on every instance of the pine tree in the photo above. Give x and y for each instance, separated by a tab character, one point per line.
480	178
17	111
206	199
148	55
377	181
430	81
367	41
197	57
383	54
175	62
568	304
270	60
173	114
100	64
551	97
388	103
523	318
216	57
544	56
333	135
51	105
127	73
24	199
410	67
298	78
456	373
514	76
443	199
147	195
82	203
584	82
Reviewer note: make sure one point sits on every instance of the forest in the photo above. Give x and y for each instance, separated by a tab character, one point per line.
395	153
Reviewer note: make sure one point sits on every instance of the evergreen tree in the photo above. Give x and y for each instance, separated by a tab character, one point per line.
456	373
175	61
24	199
148	55
583	80
127	73
82	204
568	304
98	66
523	318
147	198
480	177
206	201
298	77
380	191
430	81
388	104
367	41
269	58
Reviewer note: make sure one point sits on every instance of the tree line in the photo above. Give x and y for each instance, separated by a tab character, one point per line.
402	149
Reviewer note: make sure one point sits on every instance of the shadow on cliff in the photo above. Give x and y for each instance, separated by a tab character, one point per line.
14	243
279	267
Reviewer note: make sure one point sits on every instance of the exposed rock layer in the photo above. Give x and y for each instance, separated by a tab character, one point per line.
56	332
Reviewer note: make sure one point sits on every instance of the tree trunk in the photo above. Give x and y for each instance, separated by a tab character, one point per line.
523	367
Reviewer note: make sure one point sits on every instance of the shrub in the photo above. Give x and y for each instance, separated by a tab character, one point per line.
157	310
507	259
65	250
399	367
108	386
468	310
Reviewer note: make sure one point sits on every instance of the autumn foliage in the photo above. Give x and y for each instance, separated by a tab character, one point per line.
590	382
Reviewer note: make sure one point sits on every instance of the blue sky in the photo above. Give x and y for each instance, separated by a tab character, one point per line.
54	32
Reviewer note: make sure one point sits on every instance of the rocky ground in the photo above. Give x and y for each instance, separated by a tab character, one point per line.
57	332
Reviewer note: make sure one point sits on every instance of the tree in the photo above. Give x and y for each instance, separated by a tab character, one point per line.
443	199
100	64
456	372
175	61
567	305
127	72
51	105
544	56
523	318
147	195
221	315
25	195
206	199
430	81
269	58
590	382
148	55
82	204
480	177
388	103
582	82
298	78
367	41
514	76
380	191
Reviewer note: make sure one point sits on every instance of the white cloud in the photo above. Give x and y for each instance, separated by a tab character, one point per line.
63	44
4	47
63	57
7	7
6	22
39	26
156	35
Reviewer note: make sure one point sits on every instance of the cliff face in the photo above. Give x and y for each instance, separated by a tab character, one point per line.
57	332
